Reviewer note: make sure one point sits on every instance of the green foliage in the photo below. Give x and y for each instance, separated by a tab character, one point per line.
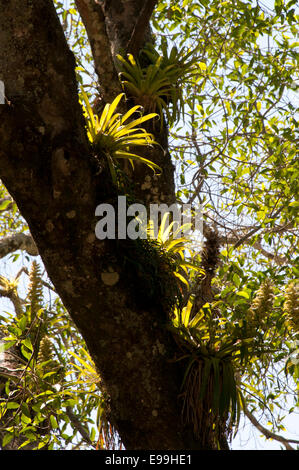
175	246
10	219
291	305
43	392
230	69
239	146
151	271
211	397
157	86
113	136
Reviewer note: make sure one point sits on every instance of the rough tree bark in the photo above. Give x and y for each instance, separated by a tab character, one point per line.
46	165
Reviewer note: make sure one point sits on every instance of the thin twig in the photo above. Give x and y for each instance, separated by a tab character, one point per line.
268	434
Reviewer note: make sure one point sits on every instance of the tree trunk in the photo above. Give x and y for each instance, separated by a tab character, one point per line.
47	166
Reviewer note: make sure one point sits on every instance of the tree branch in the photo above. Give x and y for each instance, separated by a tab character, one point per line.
94	22
120	19
17	241
46	165
78	425
138	33
242	238
268	434
280	260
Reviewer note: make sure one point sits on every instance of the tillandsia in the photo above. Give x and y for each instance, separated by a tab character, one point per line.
8	286
210	393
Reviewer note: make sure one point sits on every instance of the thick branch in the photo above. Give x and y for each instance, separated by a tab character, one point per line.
94	22
138	33
120	17
46	165
17	241
15	299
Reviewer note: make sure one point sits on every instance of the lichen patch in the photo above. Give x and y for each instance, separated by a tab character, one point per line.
110	279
